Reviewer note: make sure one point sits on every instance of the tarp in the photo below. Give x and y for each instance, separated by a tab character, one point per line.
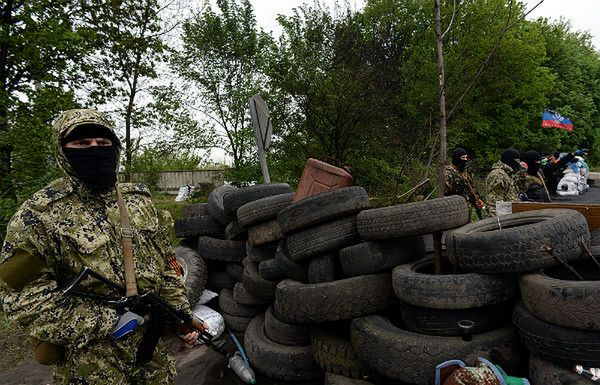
554	119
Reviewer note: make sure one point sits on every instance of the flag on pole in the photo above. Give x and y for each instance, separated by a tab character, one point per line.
554	119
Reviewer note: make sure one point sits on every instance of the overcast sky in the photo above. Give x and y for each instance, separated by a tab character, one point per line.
583	14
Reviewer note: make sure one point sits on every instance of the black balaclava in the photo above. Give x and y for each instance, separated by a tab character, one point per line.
460	164
508	158
532	158
95	166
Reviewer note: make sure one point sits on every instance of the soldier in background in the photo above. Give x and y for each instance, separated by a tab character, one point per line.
459	181
534	185
75	222
500	182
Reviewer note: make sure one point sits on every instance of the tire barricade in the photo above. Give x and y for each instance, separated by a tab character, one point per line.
327	288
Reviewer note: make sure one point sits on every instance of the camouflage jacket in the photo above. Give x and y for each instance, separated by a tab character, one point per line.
63	227
457	183
500	186
535	188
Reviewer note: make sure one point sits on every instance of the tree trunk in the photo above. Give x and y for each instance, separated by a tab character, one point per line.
442	98
6	184
128	115
437	238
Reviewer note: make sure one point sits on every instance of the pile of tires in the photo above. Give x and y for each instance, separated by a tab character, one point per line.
340	256
558	319
326	287
422	331
232	251
557	316
312	288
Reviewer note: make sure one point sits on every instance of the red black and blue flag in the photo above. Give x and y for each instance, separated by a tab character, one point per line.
554	119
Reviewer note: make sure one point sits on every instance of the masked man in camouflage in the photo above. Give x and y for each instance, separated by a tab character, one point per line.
500	182
533	184
75	222
459	181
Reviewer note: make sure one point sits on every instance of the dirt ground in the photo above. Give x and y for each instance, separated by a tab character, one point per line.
19	368
196	366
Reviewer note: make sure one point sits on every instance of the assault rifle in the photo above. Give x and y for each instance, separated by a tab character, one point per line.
145	304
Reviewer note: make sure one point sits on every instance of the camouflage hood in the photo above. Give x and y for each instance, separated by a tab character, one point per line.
67	122
500	165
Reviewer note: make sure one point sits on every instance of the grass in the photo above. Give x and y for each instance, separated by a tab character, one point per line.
14	344
167	202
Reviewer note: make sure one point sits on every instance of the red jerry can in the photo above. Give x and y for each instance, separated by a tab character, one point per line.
319	177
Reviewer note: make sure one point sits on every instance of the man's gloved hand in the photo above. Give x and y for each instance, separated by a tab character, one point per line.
523	197
126	324
581	152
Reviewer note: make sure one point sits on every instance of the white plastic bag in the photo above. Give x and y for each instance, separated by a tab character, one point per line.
214	320
206	296
569	185
184	193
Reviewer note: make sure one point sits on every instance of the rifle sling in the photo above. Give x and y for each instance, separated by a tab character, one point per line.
127	244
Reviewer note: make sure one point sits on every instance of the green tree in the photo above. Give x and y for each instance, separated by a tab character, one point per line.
332	86
575	65
129	47
181	131
221	60
41	43
495	78
496	112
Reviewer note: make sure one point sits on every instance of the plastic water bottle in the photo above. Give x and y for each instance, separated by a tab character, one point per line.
591	373
241	369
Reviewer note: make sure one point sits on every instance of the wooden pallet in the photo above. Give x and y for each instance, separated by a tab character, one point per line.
589	210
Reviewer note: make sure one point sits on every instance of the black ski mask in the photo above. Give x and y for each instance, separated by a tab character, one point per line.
459	163
532	158
510	158
95	166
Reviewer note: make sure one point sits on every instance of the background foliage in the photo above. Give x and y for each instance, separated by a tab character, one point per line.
358	87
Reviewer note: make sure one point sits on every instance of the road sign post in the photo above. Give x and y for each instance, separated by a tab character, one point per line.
263	130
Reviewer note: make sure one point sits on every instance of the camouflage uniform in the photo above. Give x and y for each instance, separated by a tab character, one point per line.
52	236
500	186
461	183
535	187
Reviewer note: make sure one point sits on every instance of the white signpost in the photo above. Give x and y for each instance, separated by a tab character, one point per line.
263	129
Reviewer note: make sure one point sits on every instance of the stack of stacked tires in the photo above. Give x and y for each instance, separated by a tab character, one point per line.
223	248
425	332
254	210
194	222
306	331
557	318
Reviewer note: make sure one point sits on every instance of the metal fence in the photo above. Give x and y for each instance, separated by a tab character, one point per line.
171	181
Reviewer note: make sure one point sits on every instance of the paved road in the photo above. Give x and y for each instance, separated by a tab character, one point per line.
592	197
